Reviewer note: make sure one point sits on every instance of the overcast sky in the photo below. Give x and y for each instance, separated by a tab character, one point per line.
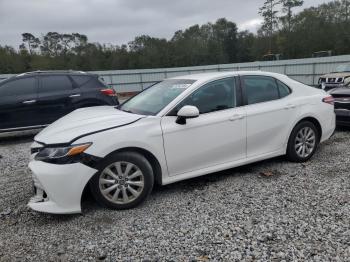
119	21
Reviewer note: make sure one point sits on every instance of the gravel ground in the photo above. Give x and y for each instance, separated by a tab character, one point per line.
272	210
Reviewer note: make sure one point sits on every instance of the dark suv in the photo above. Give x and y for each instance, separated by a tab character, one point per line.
36	99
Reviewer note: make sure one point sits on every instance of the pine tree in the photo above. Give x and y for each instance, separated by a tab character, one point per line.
270	14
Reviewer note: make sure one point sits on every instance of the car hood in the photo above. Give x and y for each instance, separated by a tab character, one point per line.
84	121
336	75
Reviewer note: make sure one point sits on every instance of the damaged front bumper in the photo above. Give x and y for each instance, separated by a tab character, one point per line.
58	188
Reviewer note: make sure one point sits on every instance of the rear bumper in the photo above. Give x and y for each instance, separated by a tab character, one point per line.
342	117
59	187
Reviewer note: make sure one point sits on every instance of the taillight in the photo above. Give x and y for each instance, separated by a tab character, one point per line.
328	100
108	92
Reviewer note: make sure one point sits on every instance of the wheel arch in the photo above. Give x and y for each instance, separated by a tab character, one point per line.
147	154
157	170
311	119
315	122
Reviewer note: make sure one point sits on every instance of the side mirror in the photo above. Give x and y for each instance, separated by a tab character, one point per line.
186	112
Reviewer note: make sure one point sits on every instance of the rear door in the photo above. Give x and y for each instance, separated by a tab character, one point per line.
270	114
18	103
56	97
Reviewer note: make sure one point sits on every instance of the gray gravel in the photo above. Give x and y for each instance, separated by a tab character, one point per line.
272	210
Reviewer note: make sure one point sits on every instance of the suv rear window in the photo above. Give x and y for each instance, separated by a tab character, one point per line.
22	86
102	80
81	80
55	83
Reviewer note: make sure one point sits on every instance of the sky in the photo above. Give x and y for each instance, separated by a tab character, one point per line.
119	21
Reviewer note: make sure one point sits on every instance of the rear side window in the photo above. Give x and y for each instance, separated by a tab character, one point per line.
24	86
55	83
283	89
81	80
102	80
93	82
260	89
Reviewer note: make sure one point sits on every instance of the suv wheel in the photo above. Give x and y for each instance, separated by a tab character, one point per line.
303	142
124	181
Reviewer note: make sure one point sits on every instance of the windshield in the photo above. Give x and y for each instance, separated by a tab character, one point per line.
342	68
152	100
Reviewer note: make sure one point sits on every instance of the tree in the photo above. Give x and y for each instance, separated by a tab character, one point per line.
287	9
346	9
287	6
325	27
30	41
51	44
225	32
245	45
269	12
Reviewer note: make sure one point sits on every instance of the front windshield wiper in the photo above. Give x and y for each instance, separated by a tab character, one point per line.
127	111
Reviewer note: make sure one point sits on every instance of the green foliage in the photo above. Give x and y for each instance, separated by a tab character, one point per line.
325	27
269	11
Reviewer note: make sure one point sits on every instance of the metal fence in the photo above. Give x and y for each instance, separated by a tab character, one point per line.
304	70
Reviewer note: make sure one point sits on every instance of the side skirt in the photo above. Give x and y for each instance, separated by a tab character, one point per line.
220	167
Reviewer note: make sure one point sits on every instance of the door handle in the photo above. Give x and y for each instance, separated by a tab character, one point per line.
75	95
289	106
28	102
236	117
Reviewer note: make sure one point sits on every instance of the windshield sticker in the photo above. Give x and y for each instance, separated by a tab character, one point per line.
180	86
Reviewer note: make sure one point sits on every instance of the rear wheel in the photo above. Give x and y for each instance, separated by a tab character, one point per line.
125	180
303	142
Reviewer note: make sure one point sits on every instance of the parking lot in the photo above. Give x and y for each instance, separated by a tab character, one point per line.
270	210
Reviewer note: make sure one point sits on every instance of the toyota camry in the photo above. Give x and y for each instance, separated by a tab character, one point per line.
177	129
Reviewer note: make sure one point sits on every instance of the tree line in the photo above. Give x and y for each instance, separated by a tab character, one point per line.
295	35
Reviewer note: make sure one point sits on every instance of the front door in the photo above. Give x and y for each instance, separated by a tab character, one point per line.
217	136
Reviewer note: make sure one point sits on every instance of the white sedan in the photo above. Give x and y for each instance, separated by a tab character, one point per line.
179	128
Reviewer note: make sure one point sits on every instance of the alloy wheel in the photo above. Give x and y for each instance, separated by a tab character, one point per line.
305	142
121	182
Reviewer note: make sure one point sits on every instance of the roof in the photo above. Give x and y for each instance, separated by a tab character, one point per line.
54	72
213	75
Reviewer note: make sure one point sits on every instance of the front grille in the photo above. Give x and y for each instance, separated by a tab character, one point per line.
35	150
332	80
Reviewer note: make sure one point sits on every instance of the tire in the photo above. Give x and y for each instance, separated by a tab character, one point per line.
122	173
303	142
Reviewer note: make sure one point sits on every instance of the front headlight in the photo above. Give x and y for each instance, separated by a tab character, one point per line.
56	154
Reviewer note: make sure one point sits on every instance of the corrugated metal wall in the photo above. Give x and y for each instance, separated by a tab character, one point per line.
304	70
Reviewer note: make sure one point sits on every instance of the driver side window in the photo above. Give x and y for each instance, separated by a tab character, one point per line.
214	96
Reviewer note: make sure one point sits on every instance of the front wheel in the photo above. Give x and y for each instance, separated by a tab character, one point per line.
303	142
124	180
